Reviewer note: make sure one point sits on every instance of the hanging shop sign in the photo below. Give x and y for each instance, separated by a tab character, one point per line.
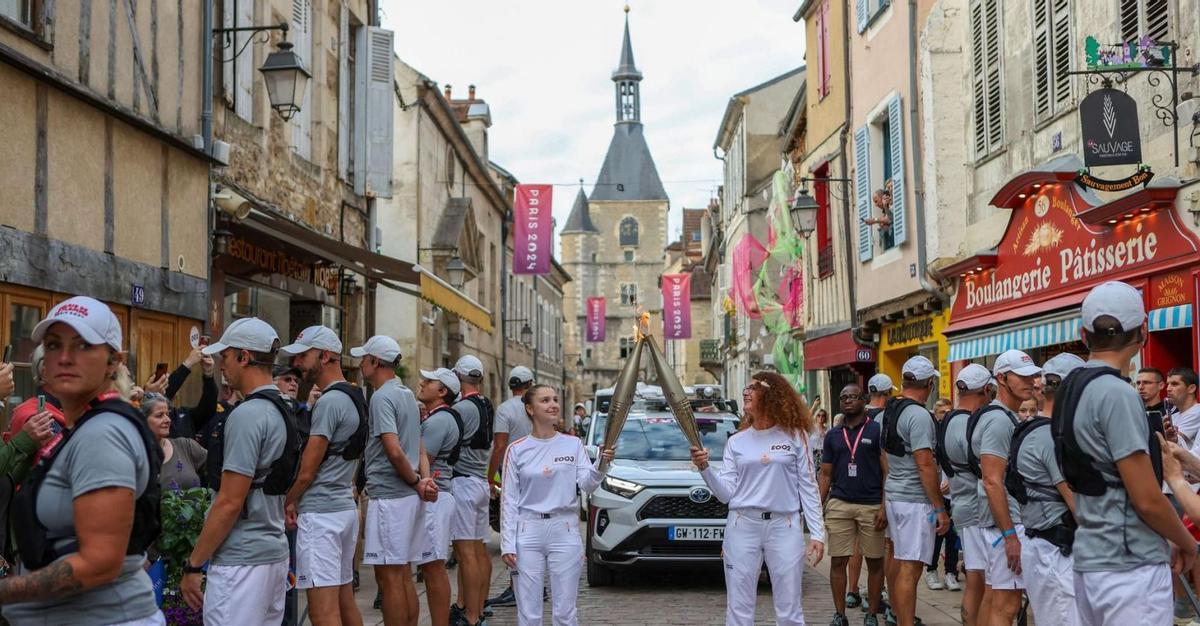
1142	53
1140	177
532	229
1109	123
677	306
1047	251
595	320
279	261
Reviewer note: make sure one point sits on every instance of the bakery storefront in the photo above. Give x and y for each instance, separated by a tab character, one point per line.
922	335
1062	240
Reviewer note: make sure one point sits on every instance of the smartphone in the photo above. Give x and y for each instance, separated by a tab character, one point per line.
160	370
41	403
7	354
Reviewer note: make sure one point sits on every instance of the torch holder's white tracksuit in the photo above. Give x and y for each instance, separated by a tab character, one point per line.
765	476
540	521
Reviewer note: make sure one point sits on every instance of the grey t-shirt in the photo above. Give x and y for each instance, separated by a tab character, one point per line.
993	436
107	451
916	429
440	434
964	501
393	410
470	461
511	418
1110	425
335	418
254	438
1037	465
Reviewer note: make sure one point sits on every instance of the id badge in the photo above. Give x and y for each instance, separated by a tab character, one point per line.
852	470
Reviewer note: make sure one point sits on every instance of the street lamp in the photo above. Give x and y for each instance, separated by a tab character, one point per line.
526	333
457	271
804	212
579	362
286	78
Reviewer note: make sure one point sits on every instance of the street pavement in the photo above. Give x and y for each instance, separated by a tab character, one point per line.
685	596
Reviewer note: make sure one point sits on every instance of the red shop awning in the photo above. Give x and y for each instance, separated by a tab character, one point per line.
834	350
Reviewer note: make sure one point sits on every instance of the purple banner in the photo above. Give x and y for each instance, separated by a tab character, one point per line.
677	306
532	229
595	319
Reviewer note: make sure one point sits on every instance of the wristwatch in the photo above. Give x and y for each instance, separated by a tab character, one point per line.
414	483
188	568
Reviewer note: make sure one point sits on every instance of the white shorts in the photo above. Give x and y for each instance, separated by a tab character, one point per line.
395	532
471	496
157	619
248	595
974	548
1052	582
325	544
911	531
998	575
1141	595
438	518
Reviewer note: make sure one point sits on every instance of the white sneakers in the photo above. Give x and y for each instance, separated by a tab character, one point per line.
952	583
933	582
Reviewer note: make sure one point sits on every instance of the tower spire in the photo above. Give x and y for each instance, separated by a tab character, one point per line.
627	79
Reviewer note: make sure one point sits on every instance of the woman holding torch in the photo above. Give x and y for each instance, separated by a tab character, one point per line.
767	479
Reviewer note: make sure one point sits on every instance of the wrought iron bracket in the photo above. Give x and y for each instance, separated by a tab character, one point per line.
265	31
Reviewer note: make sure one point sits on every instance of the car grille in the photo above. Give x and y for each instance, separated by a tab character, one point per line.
681	507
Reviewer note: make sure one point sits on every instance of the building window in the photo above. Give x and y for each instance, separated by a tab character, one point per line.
824	222
20	11
629	296
629	256
868	10
1145	18
1051	57
626	345
987	98
629	232
696	235
880	199
823	70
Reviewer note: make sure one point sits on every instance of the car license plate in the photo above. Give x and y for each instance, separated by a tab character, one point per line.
696	533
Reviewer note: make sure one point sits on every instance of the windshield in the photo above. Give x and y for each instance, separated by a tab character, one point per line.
660	439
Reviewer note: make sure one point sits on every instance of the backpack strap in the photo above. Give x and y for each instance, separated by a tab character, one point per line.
943	456
972	423
482	438
276	470
358	439
1034	492
452	458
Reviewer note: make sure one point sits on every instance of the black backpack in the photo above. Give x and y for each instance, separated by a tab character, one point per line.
482	439
972	422
353	447
1020	488
892	442
452	460
283	470
1078	467
37	550
943	458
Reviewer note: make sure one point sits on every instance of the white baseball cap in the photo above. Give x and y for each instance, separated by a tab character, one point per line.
469	365
879	383
248	333
1016	362
379	346
973	377
521	375
1061	365
919	368
91	318
314	337
444	376
1115	299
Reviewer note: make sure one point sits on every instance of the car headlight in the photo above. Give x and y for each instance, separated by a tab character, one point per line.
623	488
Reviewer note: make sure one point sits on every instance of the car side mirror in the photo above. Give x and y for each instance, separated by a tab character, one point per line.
733	405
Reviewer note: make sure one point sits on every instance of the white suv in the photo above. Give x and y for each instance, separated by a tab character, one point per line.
653	508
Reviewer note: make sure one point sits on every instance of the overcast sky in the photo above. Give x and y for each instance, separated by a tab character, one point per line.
544	67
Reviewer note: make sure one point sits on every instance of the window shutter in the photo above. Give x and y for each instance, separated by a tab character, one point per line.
301	31
860	12
862	191
227	51
1130	19
995	98
373	173
979	80
1060	35
246	73
345	81
823	49
896	128
1157	19
1041	59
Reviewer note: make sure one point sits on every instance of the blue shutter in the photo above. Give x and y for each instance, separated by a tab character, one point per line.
860	12
862	190
896	128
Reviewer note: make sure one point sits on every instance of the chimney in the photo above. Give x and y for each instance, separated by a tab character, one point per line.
471	92
447	92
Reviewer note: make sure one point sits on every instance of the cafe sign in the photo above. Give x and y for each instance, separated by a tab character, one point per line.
1047	251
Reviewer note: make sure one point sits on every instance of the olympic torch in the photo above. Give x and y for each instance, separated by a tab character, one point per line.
622	398
676	398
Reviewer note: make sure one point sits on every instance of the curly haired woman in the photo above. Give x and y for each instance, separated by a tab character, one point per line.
767	479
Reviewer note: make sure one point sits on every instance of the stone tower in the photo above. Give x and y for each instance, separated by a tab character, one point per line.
613	243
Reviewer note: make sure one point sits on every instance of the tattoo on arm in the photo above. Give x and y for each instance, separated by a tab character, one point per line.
55	580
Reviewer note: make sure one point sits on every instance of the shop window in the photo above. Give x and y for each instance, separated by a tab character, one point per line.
1051	57
987	99
1145	18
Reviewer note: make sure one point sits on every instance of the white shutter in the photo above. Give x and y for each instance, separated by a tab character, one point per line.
245	63
374	102
862	191
860	13
345	81
896	130
227	51
301	34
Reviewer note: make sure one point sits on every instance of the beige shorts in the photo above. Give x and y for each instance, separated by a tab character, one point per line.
845	522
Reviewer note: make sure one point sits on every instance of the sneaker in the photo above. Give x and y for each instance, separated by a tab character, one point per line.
883	595
933	582
457	615
952	583
378	600
870	620
853	600
1184	612
354	581
506	598
487	611
839	620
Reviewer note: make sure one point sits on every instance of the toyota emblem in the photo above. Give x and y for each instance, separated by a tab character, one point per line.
700	495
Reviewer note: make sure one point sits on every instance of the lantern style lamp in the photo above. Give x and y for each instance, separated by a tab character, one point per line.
457	271
286	78
804	212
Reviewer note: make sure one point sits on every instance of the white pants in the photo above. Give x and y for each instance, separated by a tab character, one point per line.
1140	596
247	595
1051	586
325	544
748	540
911	530
974	548
554	541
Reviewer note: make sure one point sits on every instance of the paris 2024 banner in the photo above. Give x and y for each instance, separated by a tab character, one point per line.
533	230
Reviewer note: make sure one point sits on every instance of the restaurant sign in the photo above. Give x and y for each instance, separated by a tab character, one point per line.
1047	251
278	261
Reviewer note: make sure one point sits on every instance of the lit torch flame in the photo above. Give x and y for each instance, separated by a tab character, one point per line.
642	327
